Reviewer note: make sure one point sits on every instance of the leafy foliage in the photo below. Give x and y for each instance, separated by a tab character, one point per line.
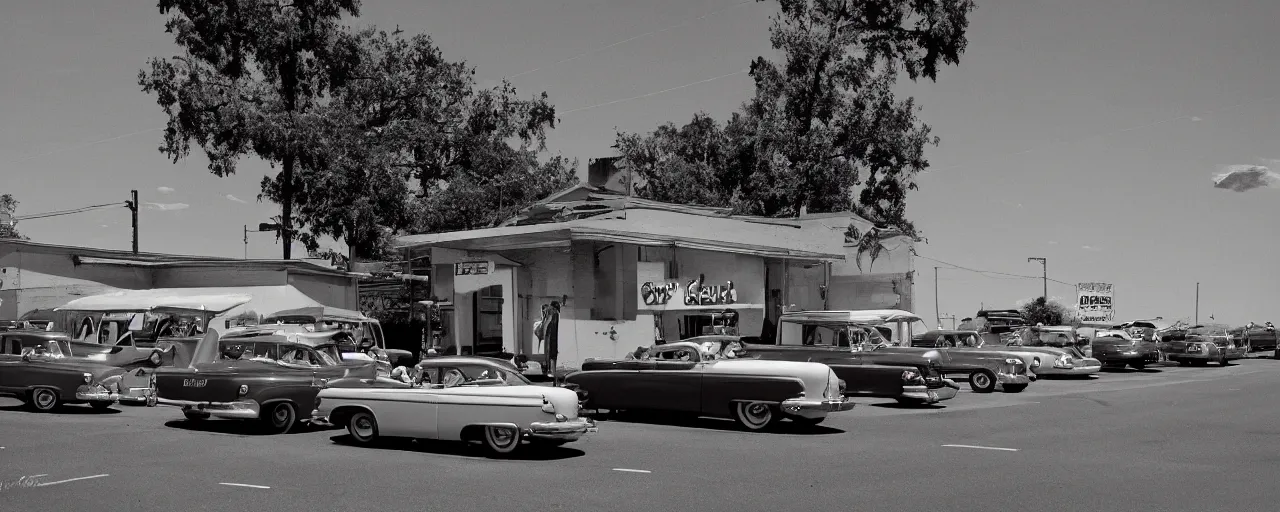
824	122
1047	311
9	207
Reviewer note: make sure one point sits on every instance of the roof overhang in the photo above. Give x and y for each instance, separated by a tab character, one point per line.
562	235
172	299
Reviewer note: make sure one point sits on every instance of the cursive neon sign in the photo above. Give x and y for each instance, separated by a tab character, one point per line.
657	294
698	294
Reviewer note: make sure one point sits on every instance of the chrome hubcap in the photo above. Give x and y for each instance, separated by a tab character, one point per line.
981	381
281	415
503	436
44	399
364	427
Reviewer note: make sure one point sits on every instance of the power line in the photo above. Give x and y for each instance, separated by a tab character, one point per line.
67	212
87	144
1188	117
981	272
633	38
655	93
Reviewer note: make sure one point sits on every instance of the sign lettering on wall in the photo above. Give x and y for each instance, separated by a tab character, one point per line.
1094	300
698	294
657	294
471	268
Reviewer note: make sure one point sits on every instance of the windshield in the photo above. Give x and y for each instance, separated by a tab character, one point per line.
461	374
828	335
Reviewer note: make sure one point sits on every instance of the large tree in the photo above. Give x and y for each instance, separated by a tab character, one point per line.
824	130
8	217
410	142
250	81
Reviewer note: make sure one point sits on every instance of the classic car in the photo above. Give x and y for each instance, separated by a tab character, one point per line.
825	337
1257	337
43	319
1115	348
457	398
36	367
344	340
139	331
996	325
265	378
1060	348
1199	346
986	371
959	343
697	377
326	318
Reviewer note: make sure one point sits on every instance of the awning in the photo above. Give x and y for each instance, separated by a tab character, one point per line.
189	299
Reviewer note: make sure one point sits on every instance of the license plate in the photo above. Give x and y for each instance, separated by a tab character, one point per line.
194	383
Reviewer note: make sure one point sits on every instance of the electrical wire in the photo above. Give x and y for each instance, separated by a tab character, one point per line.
73	211
655	93
87	144
633	38
985	272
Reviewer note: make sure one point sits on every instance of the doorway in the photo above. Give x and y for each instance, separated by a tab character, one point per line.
487	338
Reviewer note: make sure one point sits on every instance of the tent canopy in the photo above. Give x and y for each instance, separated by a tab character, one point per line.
183	299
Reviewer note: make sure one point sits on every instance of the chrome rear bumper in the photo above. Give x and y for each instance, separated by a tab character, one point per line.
571	430
244	409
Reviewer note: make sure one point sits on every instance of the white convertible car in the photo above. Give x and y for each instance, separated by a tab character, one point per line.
456	398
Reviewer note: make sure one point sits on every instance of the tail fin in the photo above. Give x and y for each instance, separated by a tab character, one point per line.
207	350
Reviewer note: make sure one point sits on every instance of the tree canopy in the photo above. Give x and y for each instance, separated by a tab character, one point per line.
374	132
1047	311
8	217
824	131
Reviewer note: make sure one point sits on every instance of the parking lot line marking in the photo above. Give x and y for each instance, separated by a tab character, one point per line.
244	485
980	447
625	470
45	484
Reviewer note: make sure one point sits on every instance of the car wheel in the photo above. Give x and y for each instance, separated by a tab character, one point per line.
44	400
100	405
1138	366
1015	388
363	427
280	418
501	440
754	415
195	415
155	359
982	381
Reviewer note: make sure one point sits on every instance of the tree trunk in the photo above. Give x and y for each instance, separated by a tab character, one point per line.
286	205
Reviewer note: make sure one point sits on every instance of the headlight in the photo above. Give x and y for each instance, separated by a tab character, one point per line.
88	377
910	376
1035	362
1063	362
1013	361
548	407
244	389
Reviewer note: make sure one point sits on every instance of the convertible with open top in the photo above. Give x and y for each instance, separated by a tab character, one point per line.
700	377
455	398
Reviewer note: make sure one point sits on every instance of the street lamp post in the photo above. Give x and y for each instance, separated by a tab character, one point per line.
1044	265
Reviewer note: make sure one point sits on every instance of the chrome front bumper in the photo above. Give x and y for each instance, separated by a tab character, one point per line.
922	393
816	408
1009	378
88	393
1074	370
571	430
242	409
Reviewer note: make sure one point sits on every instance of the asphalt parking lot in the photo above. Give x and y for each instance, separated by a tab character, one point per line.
1164	439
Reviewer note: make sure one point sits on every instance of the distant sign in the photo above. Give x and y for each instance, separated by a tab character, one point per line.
1094	301
471	268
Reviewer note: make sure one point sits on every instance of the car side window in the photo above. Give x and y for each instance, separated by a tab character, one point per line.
12	346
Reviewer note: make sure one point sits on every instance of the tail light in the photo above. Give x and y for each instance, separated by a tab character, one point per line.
911	376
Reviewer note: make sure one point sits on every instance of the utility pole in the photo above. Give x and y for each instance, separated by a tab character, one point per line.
246	241
1197	303
936	311
133	208
1044	264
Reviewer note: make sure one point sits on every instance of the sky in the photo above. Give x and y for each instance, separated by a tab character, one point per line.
1085	132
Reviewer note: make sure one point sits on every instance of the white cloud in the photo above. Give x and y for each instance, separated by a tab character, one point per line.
234	198
1243	178
1053	242
1090	248
164	190
167	206
1196	119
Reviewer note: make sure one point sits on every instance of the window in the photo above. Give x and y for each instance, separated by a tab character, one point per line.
457	375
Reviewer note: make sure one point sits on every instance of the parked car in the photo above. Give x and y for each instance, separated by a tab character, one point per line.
697	377
326	318
139	331
1256	337
265	378
969	354
1116	348
1061	348
1199	346
826	337
37	368
456	398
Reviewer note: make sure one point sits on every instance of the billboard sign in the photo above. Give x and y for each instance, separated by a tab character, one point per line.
1094	301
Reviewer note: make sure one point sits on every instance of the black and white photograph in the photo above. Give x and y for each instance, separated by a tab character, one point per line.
638	255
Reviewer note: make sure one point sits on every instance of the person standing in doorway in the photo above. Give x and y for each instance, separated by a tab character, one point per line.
551	333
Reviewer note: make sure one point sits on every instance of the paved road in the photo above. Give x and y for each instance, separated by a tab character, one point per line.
1168	439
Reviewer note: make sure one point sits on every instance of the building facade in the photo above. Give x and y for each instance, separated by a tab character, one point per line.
629	273
42	276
